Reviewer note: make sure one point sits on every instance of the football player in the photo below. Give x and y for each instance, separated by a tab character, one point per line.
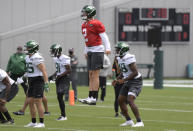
63	70
94	34
37	81
8	90
132	84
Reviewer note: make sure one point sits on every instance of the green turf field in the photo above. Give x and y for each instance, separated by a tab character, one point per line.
169	109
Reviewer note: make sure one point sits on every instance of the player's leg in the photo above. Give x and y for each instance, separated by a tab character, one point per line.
39	93
134	91
45	104
61	86
74	86
116	105
122	100
103	88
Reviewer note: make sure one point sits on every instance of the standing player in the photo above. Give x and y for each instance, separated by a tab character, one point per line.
94	34
37	80
62	76
132	84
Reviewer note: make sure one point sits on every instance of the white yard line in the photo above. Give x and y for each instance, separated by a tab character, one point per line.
60	129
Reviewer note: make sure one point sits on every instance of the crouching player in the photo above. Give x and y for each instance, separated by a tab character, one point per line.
132	84
8	90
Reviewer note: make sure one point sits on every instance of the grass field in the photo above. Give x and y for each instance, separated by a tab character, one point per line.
169	109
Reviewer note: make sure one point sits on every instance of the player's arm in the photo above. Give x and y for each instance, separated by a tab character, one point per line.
68	70
134	73
6	82
42	68
105	40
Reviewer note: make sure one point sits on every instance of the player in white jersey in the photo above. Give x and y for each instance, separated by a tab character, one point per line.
131	81
37	80
63	70
8	90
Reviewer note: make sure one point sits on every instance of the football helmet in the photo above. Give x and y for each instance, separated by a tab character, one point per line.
121	49
87	12
31	47
55	50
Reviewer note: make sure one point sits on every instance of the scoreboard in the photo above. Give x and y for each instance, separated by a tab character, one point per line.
133	24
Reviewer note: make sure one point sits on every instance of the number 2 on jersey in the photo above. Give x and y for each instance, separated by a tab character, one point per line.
84	30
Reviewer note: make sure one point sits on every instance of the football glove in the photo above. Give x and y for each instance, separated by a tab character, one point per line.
46	87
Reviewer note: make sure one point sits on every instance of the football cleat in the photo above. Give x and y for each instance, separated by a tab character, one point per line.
31	124
139	124
39	125
46	113
61	118
18	112
91	101
84	101
128	123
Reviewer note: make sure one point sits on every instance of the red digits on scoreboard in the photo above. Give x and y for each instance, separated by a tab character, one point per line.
164	13
179	36
185	35
150	13
128	18
185	19
122	35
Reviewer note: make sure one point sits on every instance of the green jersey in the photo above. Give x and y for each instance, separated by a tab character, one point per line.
16	64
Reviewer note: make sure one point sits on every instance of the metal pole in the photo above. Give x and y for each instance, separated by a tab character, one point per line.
96	4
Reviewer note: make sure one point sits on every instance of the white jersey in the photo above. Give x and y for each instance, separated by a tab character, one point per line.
124	65
60	63
32	65
3	74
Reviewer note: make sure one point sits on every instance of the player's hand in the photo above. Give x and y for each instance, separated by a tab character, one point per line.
86	56
108	52
46	87
114	82
2	101
120	81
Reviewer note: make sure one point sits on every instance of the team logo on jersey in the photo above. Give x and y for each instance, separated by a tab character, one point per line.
90	25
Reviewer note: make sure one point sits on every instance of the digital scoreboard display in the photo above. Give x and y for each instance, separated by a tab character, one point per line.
133	24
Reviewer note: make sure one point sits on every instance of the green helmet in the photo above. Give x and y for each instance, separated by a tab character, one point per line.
32	47
121	48
88	11
55	50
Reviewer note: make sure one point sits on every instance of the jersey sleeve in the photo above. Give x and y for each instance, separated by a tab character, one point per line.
3	74
38	60
66	61
100	28
130	59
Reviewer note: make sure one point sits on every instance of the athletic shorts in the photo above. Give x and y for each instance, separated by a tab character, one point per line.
12	93
36	85
95	60
62	84
132	87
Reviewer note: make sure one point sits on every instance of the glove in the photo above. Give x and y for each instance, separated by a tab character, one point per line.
19	80
46	87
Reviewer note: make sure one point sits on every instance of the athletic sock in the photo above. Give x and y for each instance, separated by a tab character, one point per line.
7	115
33	120
127	118
90	94
41	120
95	94
2	118
138	119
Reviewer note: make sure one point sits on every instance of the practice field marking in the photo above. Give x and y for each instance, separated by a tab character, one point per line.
61	129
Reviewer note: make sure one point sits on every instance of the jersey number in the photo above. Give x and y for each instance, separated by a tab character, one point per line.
30	68
123	67
84	30
58	67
